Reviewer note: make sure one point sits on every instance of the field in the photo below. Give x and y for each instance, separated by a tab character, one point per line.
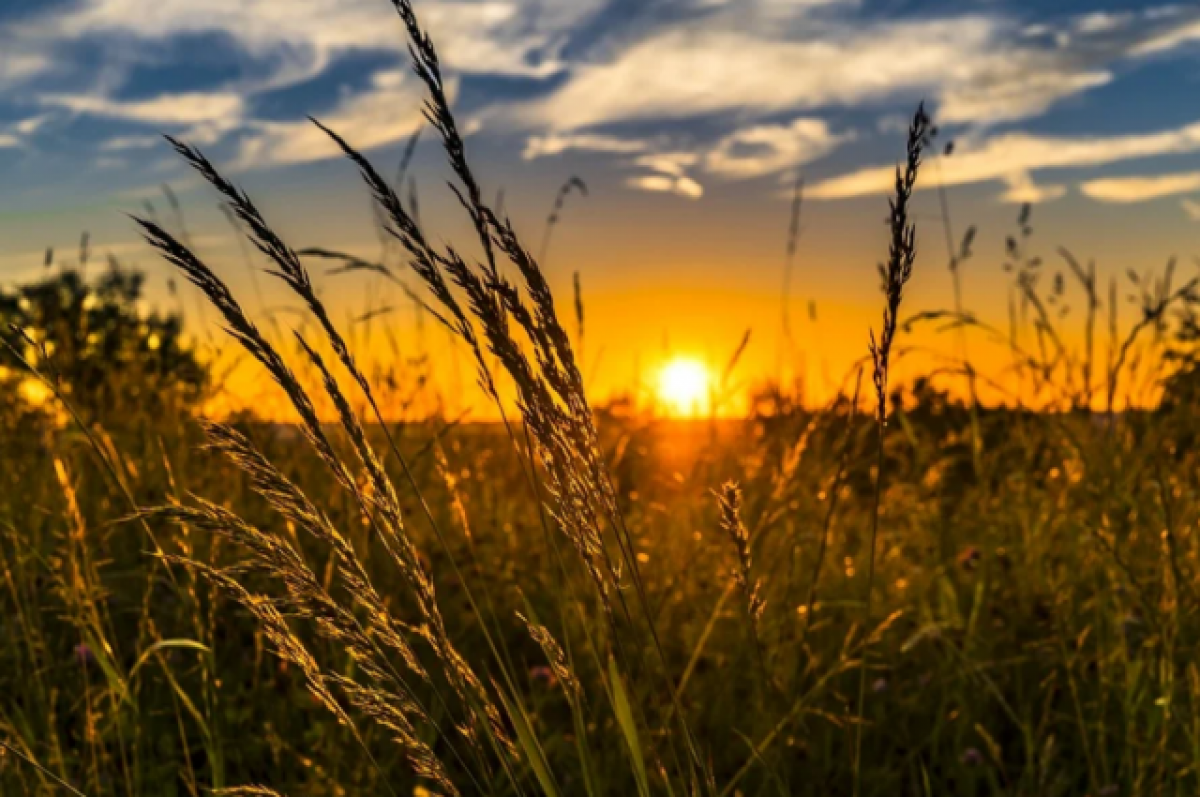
908	590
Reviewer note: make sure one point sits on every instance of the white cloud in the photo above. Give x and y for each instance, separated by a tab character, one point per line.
744	62
1021	189
1124	190
755	151
1101	22
670	174
674	164
1010	154
1009	90
8	141
281	45
388	112
662	183
30	125
124	143
170	109
1191	207
977	66
18	63
558	143
685	73
493	36
1168	39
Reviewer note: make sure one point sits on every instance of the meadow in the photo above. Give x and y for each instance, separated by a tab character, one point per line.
907	590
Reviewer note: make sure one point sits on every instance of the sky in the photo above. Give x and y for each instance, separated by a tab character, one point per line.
688	120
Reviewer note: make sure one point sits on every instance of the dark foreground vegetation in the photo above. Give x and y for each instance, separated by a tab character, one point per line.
902	592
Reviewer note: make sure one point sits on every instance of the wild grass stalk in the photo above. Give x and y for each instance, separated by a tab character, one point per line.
572	183
787	349
902	253
729	505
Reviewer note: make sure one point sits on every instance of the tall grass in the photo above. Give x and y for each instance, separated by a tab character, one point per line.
941	599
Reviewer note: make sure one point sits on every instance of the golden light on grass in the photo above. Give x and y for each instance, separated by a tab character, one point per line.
684	387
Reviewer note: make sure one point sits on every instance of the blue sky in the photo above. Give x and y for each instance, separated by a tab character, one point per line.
689	118
684	95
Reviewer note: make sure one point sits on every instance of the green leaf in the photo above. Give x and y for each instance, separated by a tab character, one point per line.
529	744
166	644
624	713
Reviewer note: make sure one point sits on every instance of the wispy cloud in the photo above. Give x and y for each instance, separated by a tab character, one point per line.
16	134
685	73
1021	189
284	45
1124	190
1007	156
168	109
665	183
19	62
761	79
981	68
516	37
674	164
1191	207
557	143
125	143
755	151
388	112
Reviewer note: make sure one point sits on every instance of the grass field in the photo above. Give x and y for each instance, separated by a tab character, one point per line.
906	591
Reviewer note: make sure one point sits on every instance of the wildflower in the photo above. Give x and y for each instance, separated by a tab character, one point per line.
879	686
972	757
543	674
84	654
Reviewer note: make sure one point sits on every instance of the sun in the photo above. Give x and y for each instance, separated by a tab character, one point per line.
684	387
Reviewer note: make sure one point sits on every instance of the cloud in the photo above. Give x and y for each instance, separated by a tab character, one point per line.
389	111
16	134
771	57
188	108
1003	156
1124	190
1168	39
18	63
517	37
1023	190
30	125
756	151
1102	22
1191	207
1011	90
663	183
278	45
673	164
124	143
980	68
558	143
683	73
739	66
670	174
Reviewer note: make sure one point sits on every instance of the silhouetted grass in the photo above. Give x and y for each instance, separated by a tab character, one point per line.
944	598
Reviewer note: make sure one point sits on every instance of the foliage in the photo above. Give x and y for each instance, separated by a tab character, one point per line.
106	354
915	595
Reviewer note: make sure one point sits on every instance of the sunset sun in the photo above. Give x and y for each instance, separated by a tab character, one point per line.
683	386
